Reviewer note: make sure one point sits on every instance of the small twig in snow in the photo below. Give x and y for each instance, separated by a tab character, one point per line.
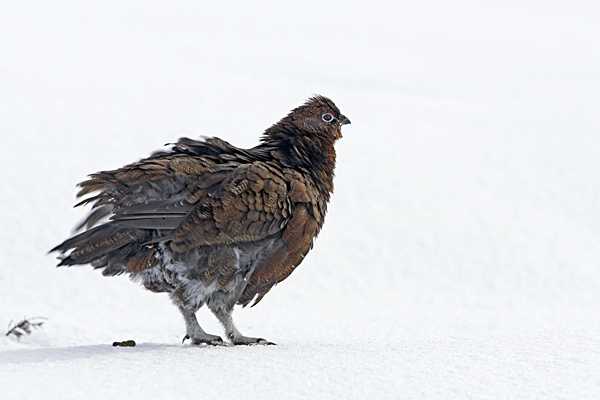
24	327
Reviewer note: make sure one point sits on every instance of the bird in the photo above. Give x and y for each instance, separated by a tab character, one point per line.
210	223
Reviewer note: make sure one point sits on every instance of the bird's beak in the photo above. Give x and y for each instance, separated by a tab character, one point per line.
344	120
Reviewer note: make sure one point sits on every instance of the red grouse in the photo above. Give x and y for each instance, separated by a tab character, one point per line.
211	223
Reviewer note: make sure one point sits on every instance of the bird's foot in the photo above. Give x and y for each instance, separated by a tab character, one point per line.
249	341
212	340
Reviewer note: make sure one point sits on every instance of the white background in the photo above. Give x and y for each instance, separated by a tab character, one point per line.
461	254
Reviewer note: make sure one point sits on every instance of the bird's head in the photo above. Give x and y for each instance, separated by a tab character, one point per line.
319	115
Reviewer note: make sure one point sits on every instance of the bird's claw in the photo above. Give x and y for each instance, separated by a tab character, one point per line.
211	340
265	342
248	341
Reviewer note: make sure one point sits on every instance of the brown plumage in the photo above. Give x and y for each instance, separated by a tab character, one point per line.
211	223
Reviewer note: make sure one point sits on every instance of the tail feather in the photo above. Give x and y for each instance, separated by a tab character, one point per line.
104	245
92	219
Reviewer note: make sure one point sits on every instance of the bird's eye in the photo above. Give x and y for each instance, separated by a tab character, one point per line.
327	117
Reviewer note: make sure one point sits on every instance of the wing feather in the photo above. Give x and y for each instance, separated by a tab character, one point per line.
234	209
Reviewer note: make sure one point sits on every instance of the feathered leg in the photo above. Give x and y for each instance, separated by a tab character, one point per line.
232	332
193	329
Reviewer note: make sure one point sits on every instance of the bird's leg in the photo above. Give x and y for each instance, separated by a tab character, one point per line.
193	329
232	332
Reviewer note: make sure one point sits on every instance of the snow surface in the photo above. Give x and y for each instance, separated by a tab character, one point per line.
461	254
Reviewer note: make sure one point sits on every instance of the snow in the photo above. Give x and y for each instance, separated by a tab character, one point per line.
460	256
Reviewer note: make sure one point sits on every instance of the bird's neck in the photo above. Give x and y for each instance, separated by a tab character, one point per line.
310	152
